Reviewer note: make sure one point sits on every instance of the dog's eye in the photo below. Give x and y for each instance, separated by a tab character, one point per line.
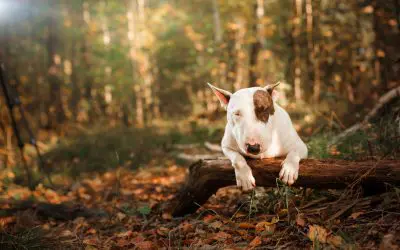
237	113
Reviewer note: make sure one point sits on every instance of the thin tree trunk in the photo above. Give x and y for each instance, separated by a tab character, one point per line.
86	62
240	53
132	31
55	108
297	52
217	22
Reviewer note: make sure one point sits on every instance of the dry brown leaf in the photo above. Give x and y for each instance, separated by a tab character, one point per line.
356	215
255	242
388	243
186	227
167	216
123	243
300	220
335	240
266	227
121	216
124	234
208	218
163	231
91	241
145	245
317	233
221	236
216	224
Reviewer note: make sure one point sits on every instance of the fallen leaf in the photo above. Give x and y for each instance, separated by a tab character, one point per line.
92	241
216	224
208	218
186	227
66	233
121	216
222	236
167	216
300	220
317	233
389	242
335	240
145	245
123	243
246	225
255	242
91	231
163	231
266	227
124	234
356	215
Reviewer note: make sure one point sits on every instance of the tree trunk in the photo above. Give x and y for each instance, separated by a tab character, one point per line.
133	54
55	111
298	4
255	76
387	39
217	22
240	53
86	62
207	176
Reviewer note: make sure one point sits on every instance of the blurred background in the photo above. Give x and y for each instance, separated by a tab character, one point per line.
115	93
90	70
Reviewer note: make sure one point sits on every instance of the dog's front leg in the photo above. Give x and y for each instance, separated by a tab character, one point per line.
290	166
244	176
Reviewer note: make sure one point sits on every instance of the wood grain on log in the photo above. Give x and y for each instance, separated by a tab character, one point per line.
207	176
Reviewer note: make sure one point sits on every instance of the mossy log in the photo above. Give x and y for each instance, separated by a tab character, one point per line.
207	176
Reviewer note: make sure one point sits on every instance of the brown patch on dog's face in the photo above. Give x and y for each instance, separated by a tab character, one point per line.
263	105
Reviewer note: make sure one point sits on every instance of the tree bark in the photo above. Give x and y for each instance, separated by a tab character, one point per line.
55	109
207	176
298	94
63	211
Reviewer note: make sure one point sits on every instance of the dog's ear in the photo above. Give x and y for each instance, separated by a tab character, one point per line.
271	90
223	95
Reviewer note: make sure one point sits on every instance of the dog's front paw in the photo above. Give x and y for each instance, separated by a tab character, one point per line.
244	178
289	172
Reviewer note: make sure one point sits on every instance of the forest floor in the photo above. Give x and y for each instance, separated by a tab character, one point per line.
129	205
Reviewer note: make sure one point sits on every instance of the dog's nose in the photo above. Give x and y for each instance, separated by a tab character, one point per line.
253	149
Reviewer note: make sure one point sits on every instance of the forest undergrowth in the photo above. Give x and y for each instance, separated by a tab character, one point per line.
126	177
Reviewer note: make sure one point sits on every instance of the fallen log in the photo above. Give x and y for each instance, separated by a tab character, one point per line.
207	176
61	211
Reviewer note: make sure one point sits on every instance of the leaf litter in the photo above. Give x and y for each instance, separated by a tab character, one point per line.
137	216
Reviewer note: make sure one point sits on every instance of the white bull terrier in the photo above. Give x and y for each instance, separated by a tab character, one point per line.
259	128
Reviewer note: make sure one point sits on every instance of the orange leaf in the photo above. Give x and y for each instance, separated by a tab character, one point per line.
300	221
222	236
356	215
245	225
255	242
208	218
145	245
216	224
317	233
335	240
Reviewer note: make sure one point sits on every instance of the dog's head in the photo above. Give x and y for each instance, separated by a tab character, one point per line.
248	112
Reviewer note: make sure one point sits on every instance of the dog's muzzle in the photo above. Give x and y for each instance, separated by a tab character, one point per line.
253	149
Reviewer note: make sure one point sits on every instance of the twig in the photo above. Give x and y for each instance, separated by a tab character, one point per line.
386	98
342	211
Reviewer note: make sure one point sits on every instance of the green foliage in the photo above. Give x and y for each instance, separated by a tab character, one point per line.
101	149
